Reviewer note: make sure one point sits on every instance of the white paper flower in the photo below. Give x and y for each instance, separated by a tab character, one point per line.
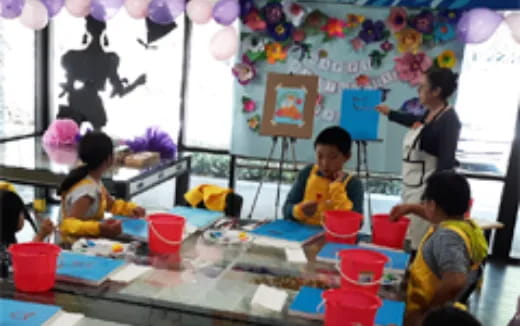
295	12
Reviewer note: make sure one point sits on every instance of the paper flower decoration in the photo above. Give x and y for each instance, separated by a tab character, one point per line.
397	19
354	21
248	105
280	32
444	32
298	35
314	22
254	123
323	54
61	132
386	46
294	12
423	22
254	21
372	31
376	58
362	81
334	28
246	6
273	13
275	52
408	40
446	59
450	16
154	140
254	48
244	71
357	43
411	67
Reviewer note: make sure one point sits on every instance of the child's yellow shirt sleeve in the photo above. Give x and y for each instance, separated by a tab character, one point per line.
123	208
298	212
71	226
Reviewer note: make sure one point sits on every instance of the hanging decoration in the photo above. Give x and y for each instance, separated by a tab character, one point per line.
224	43
199	11
478	25
78	8
165	12
34	15
137	9
104	10
225	12
53	6
254	123
248	104
11	9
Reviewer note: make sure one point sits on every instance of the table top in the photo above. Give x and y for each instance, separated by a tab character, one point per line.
30	154
487	225
219	281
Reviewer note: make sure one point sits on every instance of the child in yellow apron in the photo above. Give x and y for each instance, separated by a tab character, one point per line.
324	186
449	251
84	198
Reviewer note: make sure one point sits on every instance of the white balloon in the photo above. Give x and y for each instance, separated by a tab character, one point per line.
78	8
199	11
34	15
224	44
513	21
137	9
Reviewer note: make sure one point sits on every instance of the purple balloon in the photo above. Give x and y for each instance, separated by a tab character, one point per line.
53	6
103	10
226	11
164	12
11	8
478	25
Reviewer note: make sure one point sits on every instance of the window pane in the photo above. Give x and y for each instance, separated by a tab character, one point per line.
17	70
487	103
209	101
114	81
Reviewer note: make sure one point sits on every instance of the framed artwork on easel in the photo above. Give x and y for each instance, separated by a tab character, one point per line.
289	105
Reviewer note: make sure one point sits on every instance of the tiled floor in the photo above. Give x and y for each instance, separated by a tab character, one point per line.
496	302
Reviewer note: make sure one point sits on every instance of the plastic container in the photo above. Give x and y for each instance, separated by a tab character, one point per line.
350	307
342	226
361	270
165	233
387	233
34	266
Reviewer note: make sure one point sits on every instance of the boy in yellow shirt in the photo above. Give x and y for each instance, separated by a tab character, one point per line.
324	186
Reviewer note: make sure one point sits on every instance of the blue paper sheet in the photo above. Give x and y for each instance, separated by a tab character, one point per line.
20	313
288	230
358	113
308	300
197	217
135	228
90	269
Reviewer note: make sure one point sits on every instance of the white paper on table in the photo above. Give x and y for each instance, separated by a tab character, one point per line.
296	255
67	319
269	298
129	273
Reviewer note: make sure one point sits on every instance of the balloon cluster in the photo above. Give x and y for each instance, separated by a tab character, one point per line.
224	44
35	14
478	25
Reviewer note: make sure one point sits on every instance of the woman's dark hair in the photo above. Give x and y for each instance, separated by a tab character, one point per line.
11	205
450	191
450	316
337	137
444	79
94	149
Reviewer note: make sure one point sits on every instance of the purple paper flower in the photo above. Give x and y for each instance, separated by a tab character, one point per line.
154	140
280	32
245	8
372	31
244	71
387	46
450	16
423	22
273	13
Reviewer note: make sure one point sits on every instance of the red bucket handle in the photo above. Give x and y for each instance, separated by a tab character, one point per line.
337	235
376	282
163	239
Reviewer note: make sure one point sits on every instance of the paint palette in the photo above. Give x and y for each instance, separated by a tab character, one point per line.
227	236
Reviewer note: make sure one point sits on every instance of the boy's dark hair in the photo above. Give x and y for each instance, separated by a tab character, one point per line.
444	79
11	205
450	191
335	136
450	316
94	149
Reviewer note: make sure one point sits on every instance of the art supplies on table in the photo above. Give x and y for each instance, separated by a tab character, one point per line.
227	237
308	303
268	299
104	247
86	269
394	269
22	313
286	234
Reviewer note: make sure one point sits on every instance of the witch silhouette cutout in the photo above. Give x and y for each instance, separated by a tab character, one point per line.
87	71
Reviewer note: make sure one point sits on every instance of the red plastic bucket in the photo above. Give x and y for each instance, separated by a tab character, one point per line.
387	233
350	307
361	269
342	226
34	265
165	233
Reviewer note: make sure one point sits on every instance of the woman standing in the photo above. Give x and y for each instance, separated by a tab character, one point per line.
430	144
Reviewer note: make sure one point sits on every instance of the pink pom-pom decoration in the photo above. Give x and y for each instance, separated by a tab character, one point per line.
61	132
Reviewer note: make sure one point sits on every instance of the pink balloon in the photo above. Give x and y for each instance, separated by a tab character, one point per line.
513	21
199	11
137	9
34	15
224	44
78	8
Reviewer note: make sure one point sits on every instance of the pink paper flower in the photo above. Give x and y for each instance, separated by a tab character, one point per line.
411	67
244	71
248	105
357	43
397	19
